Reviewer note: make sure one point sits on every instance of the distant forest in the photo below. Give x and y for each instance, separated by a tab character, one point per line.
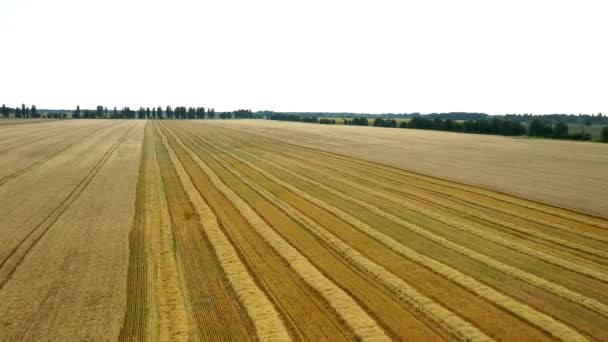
583	119
508	125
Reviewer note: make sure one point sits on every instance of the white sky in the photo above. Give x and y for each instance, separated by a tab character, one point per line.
357	56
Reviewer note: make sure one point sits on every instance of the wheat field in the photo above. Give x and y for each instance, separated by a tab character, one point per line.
251	230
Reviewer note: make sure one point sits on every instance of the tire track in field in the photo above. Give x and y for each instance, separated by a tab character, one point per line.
519	247
530	204
40	161
138	289
18	124
527	277
539	319
26	121
30	141
447	320
7	136
9	265
31	137
344	305
266	319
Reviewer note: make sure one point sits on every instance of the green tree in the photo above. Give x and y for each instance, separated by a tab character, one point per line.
539	129
159	112
34	112
99	112
18	112
23	112
76	113
127	113
604	135
200	112
560	131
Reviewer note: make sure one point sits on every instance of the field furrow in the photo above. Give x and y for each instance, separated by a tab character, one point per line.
542	321
385	305
305	315
472	227
533	208
155	300
452	206
358	320
465	303
378	179
418	302
208	267
549	289
532	279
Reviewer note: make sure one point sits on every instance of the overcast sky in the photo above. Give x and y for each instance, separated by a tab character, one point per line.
350	56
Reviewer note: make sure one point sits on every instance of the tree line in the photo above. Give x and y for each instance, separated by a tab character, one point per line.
583	119
509	125
494	126
102	112
560	130
358	121
154	113
22	111
297	118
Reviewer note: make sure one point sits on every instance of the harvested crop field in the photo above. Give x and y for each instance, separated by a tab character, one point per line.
183	230
562	173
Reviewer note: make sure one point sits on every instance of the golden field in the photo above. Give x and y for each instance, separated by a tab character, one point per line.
246	230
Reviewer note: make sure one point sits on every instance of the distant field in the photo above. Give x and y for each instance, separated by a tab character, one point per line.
256	230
